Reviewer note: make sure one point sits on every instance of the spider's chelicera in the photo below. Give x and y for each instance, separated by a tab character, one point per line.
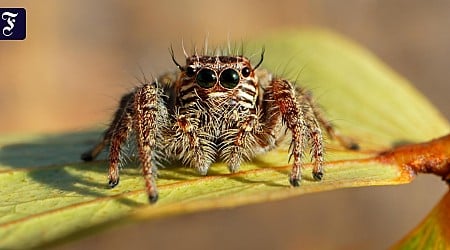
215	108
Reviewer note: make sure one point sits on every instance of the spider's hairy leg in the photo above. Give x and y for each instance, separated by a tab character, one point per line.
314	135
282	93
239	145
325	123
96	150
147	115
119	136
118	121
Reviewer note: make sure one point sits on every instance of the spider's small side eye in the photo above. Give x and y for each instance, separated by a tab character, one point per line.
206	78
246	71
229	78
190	71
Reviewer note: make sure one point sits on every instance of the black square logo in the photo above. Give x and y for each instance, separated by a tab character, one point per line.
12	23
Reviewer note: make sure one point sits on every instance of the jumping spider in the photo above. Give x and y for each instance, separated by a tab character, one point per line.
215	107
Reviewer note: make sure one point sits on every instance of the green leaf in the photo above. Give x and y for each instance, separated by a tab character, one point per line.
433	232
47	194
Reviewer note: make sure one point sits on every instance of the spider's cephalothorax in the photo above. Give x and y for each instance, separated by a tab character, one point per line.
214	108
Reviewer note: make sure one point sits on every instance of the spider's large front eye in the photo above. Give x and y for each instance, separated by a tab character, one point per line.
229	78
206	78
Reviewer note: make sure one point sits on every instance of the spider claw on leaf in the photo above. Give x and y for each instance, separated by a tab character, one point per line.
295	182
113	183
87	156
153	198
318	176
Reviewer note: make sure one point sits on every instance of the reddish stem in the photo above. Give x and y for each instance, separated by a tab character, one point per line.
428	157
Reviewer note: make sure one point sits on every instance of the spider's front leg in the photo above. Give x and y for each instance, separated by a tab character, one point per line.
148	119
301	121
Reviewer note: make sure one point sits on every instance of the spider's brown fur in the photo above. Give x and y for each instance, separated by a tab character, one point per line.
215	107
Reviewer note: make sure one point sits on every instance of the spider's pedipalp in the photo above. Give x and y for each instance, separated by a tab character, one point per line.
239	144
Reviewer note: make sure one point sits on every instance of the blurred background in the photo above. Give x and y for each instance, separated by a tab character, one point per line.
80	56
